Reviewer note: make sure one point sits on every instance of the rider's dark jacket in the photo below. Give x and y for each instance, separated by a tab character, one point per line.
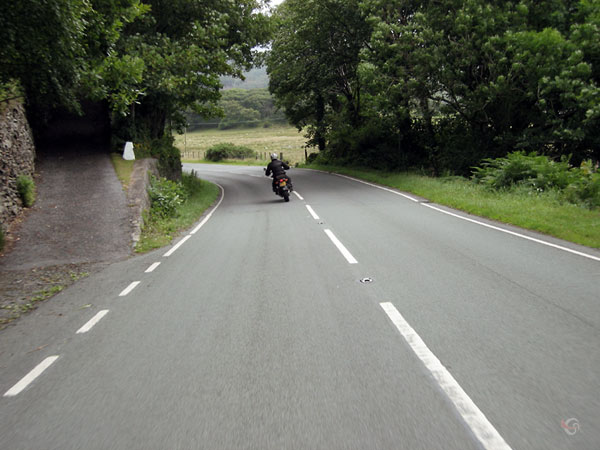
277	168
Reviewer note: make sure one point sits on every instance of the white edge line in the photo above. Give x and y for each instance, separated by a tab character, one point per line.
378	187
298	195
129	288
539	241
312	212
341	247
93	321
471	414
201	224
179	244
152	267
31	376
503	230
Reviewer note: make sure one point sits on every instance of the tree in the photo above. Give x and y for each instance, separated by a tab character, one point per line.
64	50
313	63
499	75
186	45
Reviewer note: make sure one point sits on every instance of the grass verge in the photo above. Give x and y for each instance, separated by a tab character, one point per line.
544	212
123	168
158	232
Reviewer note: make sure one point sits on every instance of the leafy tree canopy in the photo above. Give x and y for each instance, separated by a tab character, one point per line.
440	83
186	46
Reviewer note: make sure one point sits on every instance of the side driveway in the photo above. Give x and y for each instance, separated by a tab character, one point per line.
80	222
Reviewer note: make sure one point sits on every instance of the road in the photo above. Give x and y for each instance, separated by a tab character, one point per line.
352	317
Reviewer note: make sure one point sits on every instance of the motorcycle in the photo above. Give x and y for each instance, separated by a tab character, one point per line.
282	187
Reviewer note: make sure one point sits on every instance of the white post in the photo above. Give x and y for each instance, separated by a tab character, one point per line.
128	151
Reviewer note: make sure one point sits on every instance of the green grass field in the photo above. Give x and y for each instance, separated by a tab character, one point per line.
275	139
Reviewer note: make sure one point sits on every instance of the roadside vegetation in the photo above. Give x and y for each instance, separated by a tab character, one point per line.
123	168
175	206
26	190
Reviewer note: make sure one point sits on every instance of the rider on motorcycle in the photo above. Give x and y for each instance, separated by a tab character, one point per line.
278	168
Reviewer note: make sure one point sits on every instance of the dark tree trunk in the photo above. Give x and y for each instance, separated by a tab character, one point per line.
320	115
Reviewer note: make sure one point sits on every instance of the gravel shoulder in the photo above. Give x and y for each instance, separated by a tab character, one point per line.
81	221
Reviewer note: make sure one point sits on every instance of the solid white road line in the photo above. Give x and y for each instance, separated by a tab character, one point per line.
298	195
379	187
201	224
129	288
312	212
503	230
152	267
341	248
93	321
31	376
471	414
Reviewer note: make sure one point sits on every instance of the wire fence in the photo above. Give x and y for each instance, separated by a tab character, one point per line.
199	155
193	126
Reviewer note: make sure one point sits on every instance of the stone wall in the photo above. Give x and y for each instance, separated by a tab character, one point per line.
17	157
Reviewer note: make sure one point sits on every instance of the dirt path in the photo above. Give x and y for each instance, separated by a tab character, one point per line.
80	222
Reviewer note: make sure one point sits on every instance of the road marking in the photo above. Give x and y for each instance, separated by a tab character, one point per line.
471	414
379	187
129	288
152	267
93	321
341	248
201	224
179	244
503	230
30	377
312	212
298	195
539	241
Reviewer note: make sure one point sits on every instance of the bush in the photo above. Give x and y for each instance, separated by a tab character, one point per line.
223	151
26	189
535	173
168	156
165	197
216	153
585	190
191	184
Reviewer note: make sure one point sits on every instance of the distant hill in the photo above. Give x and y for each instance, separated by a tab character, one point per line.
255	79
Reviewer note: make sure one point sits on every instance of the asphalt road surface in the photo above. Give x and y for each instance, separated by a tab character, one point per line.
352	317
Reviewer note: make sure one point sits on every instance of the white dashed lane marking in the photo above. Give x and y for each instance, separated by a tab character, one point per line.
31	376
93	321
129	288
